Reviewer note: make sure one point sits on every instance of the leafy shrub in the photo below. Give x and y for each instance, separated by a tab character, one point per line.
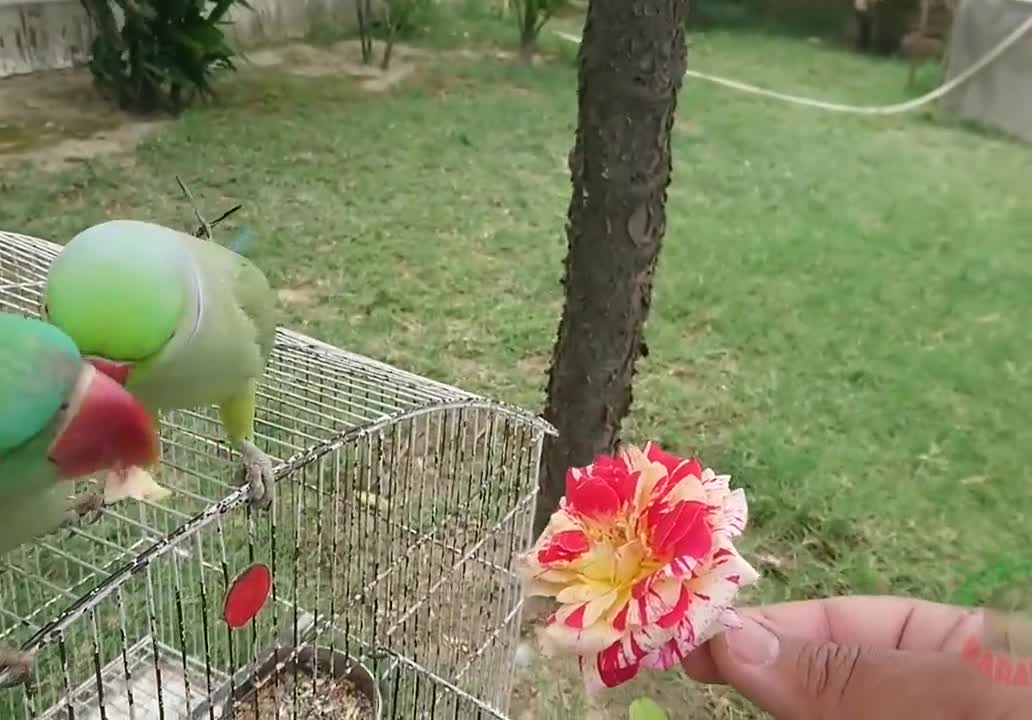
794	17
403	19
893	20
890	18
164	55
531	16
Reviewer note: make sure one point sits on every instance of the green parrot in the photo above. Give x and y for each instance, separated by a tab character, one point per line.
181	321
60	419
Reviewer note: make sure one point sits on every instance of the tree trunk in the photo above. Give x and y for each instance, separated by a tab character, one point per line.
363	16
631	64
528	22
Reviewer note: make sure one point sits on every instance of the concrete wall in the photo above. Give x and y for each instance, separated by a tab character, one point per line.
42	35
1000	96
54	34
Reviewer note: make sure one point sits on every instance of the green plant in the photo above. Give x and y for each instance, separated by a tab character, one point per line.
164	54
645	708
402	18
531	16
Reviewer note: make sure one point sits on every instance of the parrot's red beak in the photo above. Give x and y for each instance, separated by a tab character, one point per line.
106	428
117	371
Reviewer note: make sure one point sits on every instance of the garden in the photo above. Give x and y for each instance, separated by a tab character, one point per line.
836	319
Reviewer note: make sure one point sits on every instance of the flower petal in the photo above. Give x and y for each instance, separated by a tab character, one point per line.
671	462
681	645
678	469
696	542
718	485
635	646
640	557
627	561
594	498
607	669
582	592
598	564
600	606
678	611
735	514
563	547
710	610
668	525
573	476
686	488
650	475
620	620
571	616
658	599
557	638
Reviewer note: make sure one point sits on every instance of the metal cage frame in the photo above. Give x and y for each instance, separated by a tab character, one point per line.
399	503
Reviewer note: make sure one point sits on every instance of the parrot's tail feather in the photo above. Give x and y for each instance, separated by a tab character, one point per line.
135	483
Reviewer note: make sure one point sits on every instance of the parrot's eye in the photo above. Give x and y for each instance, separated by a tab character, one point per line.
64	406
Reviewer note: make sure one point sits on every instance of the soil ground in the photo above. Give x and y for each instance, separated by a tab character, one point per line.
57	117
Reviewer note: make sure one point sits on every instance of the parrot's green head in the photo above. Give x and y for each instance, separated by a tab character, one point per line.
87	421
115	290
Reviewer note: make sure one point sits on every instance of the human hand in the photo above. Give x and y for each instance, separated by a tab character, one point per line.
849	658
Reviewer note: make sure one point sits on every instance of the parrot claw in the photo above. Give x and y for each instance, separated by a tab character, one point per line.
256	470
79	506
15	667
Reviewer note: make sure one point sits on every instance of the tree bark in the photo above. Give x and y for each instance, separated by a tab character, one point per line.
631	65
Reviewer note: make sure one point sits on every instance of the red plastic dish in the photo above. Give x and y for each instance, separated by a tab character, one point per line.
247	595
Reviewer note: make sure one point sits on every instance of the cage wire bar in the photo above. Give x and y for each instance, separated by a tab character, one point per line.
398	506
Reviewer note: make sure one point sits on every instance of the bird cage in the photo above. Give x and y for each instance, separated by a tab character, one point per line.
398	505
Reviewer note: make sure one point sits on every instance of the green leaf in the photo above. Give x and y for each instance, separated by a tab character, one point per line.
647	709
221	8
165	53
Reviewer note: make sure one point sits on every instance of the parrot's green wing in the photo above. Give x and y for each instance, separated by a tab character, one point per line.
257	301
29	515
238	304
39	365
252	314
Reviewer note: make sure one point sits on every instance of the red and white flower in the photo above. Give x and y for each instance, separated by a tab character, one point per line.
640	557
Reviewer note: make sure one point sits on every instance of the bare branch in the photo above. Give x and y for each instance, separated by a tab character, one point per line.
205	229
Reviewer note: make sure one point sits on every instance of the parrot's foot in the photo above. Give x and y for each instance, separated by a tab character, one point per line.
79	506
132	482
256	470
15	667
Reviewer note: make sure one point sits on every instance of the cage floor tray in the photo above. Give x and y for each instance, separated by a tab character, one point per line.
147	693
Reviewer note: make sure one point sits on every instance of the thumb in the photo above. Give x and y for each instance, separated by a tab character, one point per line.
797	679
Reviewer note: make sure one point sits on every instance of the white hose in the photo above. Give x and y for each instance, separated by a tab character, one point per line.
902	107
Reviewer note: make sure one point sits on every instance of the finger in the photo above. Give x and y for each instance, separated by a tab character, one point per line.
805	679
700	666
1008	633
877	621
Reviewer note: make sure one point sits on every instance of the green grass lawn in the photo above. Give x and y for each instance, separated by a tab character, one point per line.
840	321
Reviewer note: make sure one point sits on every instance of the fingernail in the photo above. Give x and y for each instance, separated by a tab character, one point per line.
753	644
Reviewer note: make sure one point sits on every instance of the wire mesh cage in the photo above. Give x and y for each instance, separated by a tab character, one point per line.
398	506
